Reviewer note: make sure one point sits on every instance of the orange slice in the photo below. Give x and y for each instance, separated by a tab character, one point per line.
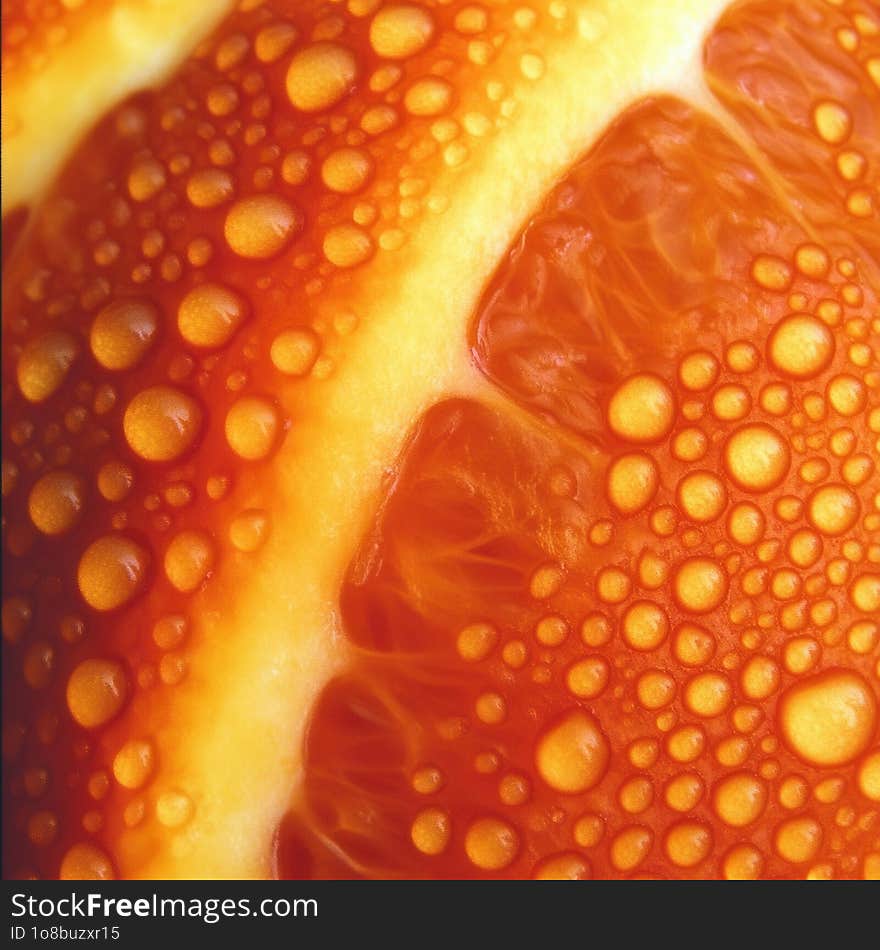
441	441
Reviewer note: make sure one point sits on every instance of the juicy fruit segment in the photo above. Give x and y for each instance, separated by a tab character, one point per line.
609	308
622	634
421	629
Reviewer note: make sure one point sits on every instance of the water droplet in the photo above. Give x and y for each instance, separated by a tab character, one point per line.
134	763
427	780
261	226
708	695
642	409
864	594
346	170
209	315
115	480
209	188
252	427
700	585
174	809
847	395
833	509
829	719
161	423
587	678
294	351
146	179
772	273
812	261
630	847
613	585
17	616
86	862
491	844
832	121
249	530
42	828
43	364
319	76
347	245
572	754
632	482
800	346
797	840
123	332
430	831
688	843
645	625
96	692
869	777
756	457
702	496
273	41
189	559
428	97
551	631
562	867
531	65
731	402
56	501
231	51
760	678
111	571
684	792
401	31
693	646
743	863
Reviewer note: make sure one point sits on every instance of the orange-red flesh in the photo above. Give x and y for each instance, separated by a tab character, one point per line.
617	614
692	591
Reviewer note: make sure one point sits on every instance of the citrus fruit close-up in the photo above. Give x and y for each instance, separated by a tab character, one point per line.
440	439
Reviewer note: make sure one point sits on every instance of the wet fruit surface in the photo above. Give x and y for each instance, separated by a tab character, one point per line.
636	632
191	274
618	613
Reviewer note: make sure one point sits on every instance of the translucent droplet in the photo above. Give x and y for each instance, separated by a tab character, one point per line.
96	692
123	332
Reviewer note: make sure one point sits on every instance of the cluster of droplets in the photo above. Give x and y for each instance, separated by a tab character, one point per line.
316	139
857	37
712	622
290	148
293	147
152	425
833	123
831	82
33	30
744	498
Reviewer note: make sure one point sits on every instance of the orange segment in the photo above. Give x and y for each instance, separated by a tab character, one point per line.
639	252
803	80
